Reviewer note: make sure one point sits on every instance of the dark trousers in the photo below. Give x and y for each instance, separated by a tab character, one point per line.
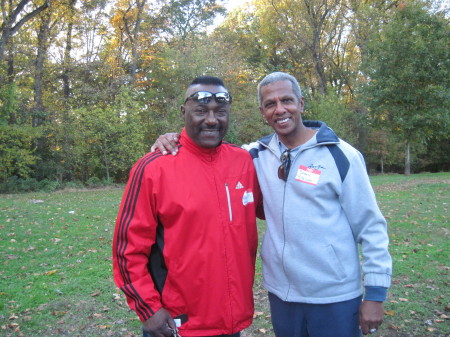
235	335
315	320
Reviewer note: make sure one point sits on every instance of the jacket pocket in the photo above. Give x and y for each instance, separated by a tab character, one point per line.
239	200
335	263
230	207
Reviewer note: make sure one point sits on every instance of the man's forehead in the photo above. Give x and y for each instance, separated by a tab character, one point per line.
278	88
205	87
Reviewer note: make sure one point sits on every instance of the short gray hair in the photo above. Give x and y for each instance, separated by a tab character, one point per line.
276	77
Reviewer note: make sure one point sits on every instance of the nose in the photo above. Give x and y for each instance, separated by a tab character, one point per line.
279	108
211	118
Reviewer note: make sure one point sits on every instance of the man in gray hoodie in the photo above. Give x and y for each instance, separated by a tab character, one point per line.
320	208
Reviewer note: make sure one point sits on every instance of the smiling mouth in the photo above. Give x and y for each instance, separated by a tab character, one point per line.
282	121
210	132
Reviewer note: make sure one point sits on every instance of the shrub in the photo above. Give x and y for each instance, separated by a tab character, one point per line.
49	185
17	185
76	184
28	185
10	185
94	182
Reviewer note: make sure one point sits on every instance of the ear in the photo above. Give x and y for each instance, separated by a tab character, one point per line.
183	111
262	115
302	105
261	111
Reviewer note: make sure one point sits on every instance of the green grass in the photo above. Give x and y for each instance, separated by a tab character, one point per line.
56	277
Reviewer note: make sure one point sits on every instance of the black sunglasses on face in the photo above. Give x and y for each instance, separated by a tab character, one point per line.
283	170
204	97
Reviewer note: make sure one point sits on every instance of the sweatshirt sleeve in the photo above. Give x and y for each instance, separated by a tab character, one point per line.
134	235
368	224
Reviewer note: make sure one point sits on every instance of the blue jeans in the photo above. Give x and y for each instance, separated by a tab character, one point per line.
291	319
146	334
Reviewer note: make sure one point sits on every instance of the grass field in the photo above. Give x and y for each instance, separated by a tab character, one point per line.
56	277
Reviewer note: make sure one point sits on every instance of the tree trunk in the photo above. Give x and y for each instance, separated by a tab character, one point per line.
106	161
9	26
43	34
134	39
407	159
67	67
10	81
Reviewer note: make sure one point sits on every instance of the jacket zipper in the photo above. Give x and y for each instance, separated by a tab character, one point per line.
230	211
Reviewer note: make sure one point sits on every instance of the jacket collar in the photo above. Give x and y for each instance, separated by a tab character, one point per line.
208	154
325	135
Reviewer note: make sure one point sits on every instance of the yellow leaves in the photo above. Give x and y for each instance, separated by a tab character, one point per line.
389	312
103	327
51	272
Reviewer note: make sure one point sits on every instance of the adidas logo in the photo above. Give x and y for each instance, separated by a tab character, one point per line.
239	185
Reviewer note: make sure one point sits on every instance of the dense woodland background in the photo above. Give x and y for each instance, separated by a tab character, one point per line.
87	86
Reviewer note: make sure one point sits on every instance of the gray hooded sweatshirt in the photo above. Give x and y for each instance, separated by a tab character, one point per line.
318	219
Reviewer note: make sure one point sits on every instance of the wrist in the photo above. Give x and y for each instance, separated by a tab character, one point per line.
375	294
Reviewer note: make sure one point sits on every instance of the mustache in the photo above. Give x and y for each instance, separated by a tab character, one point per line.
211	129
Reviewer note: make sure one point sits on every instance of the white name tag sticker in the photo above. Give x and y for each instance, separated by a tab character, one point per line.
308	175
247	198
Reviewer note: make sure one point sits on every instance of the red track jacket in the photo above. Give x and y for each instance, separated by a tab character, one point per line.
186	238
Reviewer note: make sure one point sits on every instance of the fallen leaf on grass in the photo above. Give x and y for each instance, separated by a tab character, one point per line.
15	327
96	293
403	299
393	327
59	313
106	326
389	312
42	307
262	330
51	272
257	313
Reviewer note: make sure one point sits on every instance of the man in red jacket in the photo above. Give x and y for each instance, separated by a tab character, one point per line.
185	239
